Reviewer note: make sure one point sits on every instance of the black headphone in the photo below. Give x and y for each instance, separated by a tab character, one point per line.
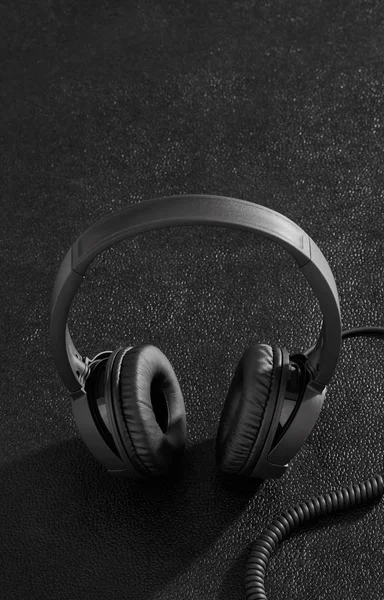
128	405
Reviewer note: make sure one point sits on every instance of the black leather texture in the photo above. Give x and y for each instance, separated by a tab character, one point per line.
148	438
106	103
254	384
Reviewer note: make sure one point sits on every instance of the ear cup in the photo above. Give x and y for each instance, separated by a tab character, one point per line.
148	408
245	420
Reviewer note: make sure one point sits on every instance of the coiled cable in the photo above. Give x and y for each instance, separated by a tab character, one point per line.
303	512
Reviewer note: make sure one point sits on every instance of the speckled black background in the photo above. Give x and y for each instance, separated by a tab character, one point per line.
104	104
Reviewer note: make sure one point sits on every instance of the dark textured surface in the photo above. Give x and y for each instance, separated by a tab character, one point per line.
107	103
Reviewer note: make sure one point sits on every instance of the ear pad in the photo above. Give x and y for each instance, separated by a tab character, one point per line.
148	408
243	424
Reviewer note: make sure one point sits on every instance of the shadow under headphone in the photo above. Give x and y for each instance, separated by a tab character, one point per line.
128	405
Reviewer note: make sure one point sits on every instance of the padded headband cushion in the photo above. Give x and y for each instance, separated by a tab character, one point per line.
149	409
243	428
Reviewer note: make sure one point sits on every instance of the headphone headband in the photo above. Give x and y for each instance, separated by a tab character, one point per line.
193	210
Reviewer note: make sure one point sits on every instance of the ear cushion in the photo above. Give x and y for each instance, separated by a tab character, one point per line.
149	408
243	426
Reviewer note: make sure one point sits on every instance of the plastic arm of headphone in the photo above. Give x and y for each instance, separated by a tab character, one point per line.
192	209
301	426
